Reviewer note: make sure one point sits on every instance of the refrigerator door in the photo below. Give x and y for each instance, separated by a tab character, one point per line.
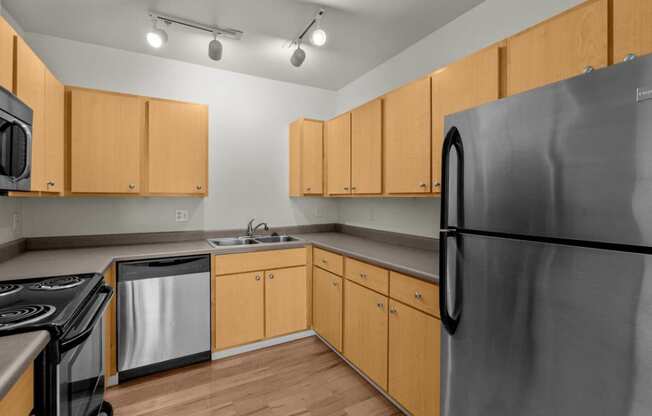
572	160
546	330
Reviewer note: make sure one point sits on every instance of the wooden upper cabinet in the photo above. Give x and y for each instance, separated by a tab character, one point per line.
54	134
177	148
306	157
7	35
365	337
632	30
286	301
407	139
366	148
467	83
106	142
238	309
414	354
337	145
559	48
30	88
327	306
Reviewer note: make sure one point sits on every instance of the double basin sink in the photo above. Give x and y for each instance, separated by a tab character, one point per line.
243	241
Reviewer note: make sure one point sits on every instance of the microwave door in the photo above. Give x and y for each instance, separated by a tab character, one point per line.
6	131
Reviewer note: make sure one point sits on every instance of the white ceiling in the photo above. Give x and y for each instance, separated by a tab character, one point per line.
362	33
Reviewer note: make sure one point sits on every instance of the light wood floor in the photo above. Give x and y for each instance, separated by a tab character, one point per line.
300	378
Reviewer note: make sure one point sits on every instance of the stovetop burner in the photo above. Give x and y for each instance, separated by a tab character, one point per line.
23	315
9	288
58	283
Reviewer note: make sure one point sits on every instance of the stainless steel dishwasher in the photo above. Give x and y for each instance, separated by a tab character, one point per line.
163	314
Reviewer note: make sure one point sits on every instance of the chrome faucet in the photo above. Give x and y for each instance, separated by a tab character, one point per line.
251	230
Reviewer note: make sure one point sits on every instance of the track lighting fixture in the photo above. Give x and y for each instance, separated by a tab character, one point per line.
158	37
318	37
298	56
215	48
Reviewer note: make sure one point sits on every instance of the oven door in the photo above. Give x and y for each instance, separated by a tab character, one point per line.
80	372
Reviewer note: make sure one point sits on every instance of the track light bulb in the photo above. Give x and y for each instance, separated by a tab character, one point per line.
156	37
298	56
215	49
318	37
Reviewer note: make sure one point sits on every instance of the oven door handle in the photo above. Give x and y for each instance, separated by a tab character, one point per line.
68	344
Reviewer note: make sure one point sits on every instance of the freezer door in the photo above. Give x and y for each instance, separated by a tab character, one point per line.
572	160
547	330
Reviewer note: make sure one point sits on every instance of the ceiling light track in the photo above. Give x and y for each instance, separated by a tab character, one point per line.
317	37
220	31
315	21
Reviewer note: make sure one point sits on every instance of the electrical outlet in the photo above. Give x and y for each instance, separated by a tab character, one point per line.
181	215
15	222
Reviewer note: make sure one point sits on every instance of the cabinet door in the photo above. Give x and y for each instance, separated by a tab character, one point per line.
7	34
327	306
467	83
559	48
365	331
294	144
110	329
337	136
54	126
312	155
632	31
178	148
239	300
414	354
30	87
366	148
407	139
286	308
19	400
106	142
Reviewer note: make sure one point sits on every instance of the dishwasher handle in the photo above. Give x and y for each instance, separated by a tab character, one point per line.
163	267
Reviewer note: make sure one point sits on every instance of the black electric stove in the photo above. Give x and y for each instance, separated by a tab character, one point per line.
69	373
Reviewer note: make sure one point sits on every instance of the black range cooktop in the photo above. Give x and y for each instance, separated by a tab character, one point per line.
44	303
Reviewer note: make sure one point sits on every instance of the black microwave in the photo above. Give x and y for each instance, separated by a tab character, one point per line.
15	143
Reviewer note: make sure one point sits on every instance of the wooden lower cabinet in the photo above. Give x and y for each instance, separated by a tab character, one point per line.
327	306
286	307
239	309
414	354
110	329
19	401
365	331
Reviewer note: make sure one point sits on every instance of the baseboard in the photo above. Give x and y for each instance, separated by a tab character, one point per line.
261	344
367	379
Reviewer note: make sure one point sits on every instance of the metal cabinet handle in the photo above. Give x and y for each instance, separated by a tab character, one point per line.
308	189
380	305
363	275
630	57
199	187
418	296
346	188
271	276
50	183
132	186
257	277
334	283
392	311
422	184
436	184
353	188
324	261
588	69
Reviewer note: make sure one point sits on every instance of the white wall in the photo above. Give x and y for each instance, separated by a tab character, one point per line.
482	26
248	142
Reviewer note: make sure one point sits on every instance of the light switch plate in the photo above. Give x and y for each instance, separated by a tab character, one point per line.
181	215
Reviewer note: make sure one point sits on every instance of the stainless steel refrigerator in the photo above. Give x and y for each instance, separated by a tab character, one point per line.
546	251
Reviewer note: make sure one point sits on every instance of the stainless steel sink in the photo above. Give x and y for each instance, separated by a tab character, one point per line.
276	239
226	242
243	241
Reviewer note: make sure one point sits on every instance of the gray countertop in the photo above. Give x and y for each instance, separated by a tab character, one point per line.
16	353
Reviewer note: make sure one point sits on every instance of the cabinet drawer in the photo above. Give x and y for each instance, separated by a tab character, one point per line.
373	277
332	262
414	292
260	260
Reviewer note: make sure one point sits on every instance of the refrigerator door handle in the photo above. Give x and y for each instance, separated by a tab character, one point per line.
449	322
453	139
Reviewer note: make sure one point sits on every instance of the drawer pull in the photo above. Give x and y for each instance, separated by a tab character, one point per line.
392	311
324	261
335	284
418	296
363	275
257	277
380	305
271	276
